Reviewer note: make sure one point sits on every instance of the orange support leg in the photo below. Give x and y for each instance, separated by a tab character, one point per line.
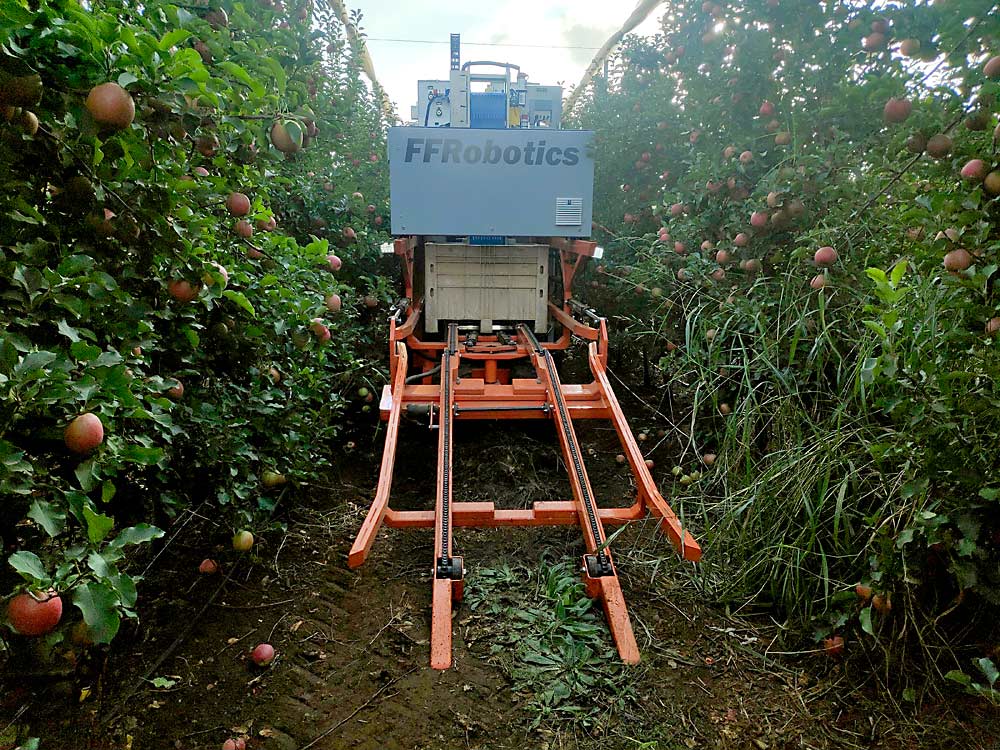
369	529
648	493
447	570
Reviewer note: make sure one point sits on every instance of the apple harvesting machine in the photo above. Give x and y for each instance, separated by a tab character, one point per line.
491	214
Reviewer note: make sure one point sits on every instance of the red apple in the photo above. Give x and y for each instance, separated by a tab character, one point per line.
874	42
238	204
909	47
992	183
974	170
111	106
84	433
825	256
242	540
834	646
320	330
939	146
183	290
957	260
263	654
208	278
897	110
992	67
34	613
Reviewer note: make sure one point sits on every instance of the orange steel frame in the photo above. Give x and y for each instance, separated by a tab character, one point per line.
490	394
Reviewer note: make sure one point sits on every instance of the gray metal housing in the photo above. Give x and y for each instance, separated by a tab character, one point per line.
509	183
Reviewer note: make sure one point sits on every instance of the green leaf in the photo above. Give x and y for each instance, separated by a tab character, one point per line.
876	328
28	565
48	516
905	537
67	330
86	475
277	73
957	675
126	79
173	38
84	352
98	525
125	587
989	670
866	620
99	565
162	682
240	300
898	272
241	75
107	359
137	535
99	605
15	16
33	362
138	454
877	275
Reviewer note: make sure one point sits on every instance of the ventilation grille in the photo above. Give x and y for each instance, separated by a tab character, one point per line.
569	212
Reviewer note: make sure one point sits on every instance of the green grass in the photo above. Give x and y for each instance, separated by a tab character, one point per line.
552	642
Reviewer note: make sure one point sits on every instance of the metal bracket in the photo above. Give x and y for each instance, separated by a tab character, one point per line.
449	568
598	567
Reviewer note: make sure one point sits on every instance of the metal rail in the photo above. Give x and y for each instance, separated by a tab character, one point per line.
603	564
444	562
448	570
599	573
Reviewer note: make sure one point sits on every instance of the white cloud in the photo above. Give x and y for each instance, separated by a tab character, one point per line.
549	25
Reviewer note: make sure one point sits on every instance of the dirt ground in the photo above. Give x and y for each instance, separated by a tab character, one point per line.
352	666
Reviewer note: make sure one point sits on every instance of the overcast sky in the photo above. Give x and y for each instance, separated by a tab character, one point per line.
547	24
